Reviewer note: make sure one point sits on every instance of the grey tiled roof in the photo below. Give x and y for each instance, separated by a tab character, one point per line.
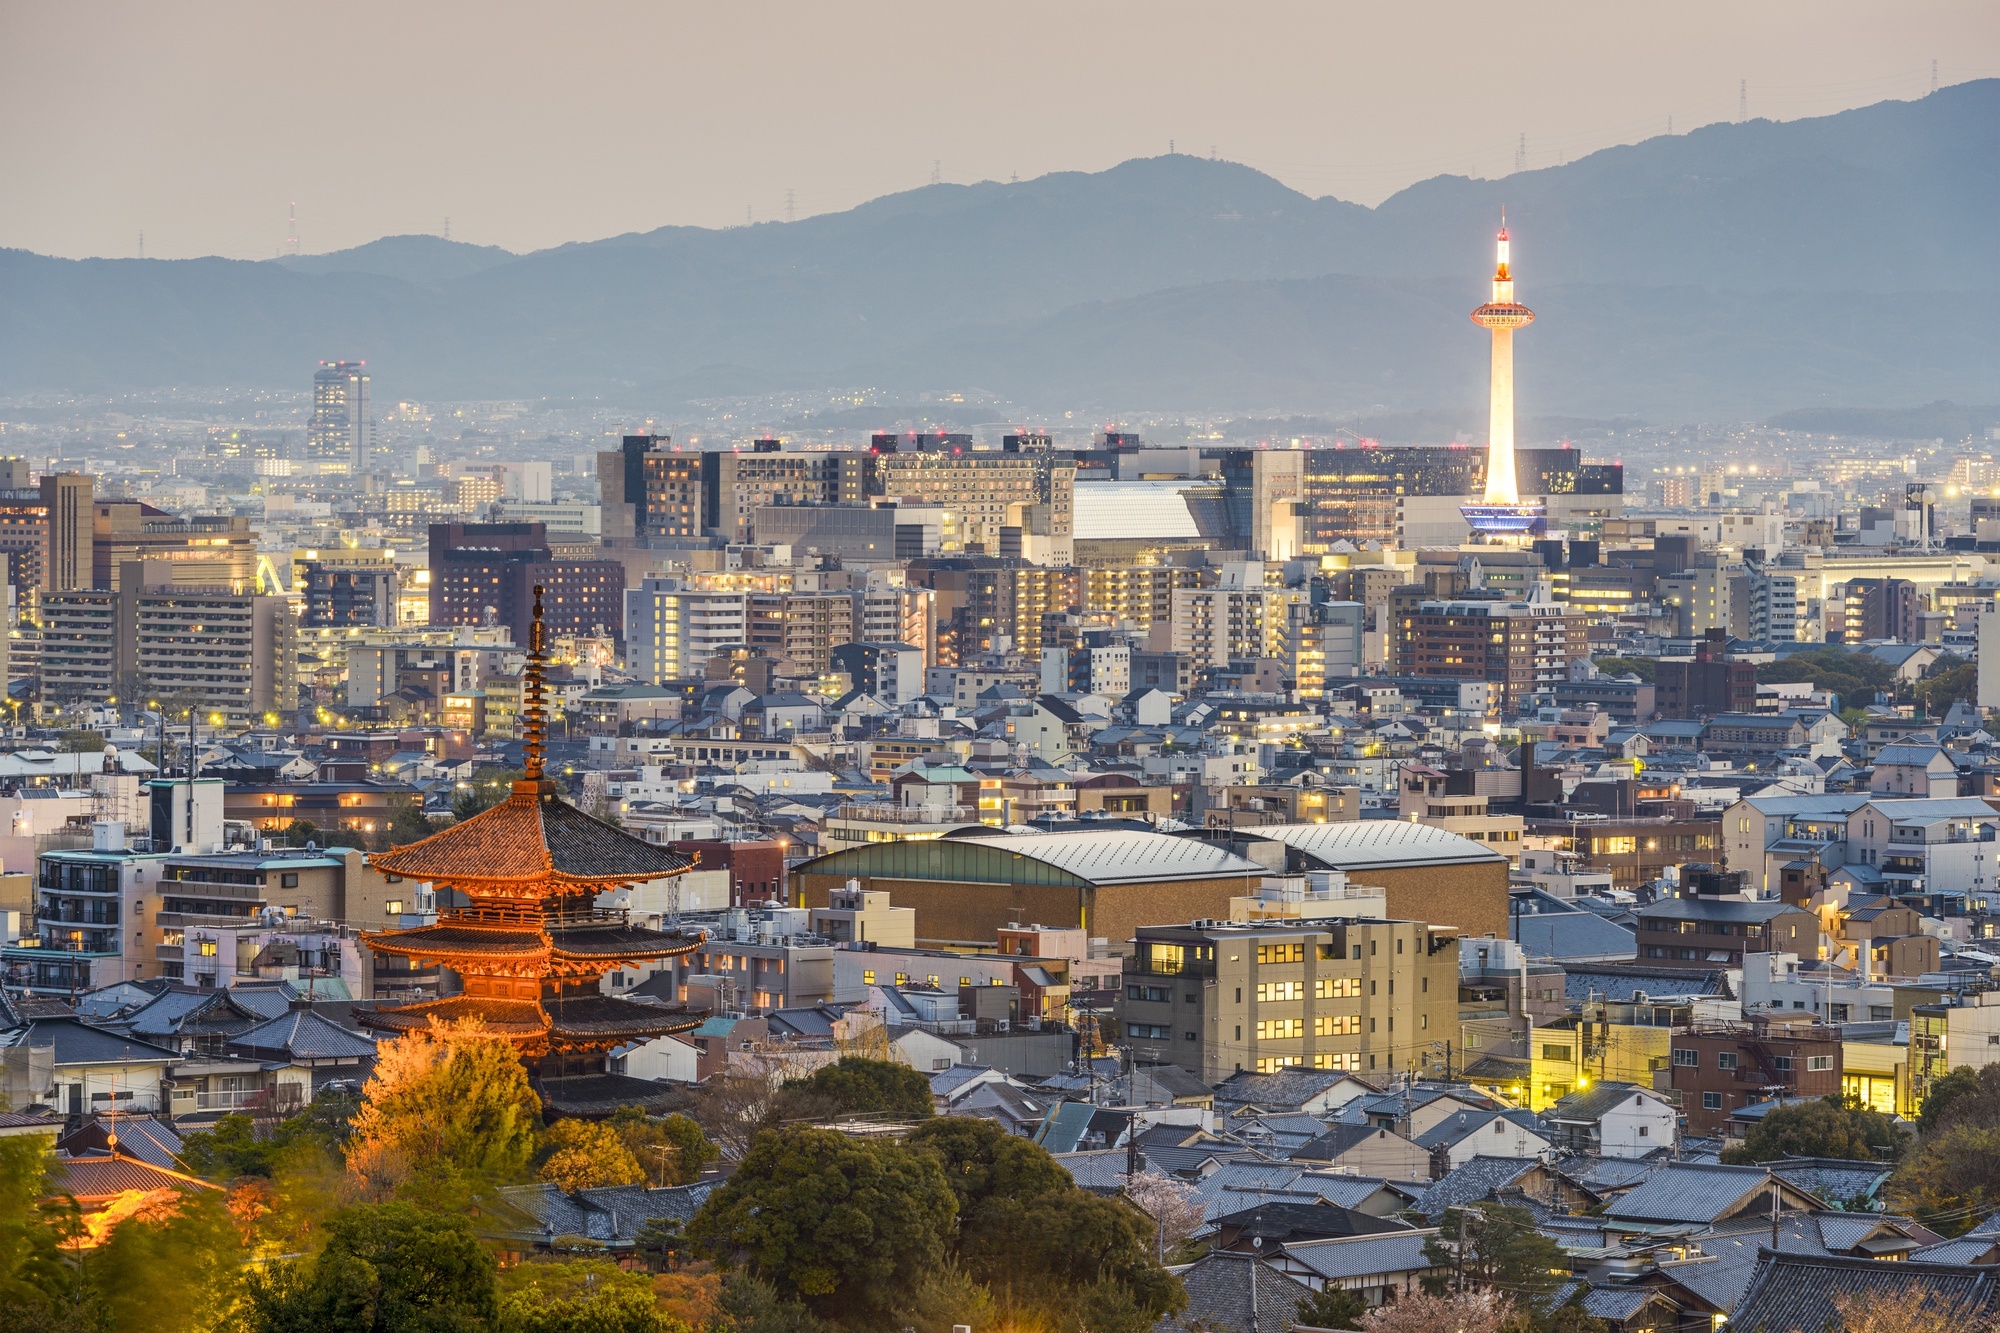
1219	1287
1103	1171
1686	1192
1480	1178
1831	1179
1364	1256
610	1216
305	1035
1287	1090
1790	1291
79	1043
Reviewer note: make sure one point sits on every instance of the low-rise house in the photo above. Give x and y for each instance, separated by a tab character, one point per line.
1464	1135
1612	1119
1703	1194
1366	1150
1378	1268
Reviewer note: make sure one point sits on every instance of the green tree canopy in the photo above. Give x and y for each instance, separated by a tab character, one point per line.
1823	1128
1335	1307
671	1149
845	1225
1965	1096
452	1098
489	785
586	1154
580	1296
1645	668
1026	1230
1949	681
1502	1252
1951	1180
856	1085
1855	677
386	1268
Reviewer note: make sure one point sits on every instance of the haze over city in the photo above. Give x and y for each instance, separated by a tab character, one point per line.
1043	669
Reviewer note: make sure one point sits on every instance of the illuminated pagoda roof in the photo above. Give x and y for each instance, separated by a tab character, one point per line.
533	843
580	1021
585	942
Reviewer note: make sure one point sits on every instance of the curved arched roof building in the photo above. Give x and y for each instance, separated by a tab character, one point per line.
1109	883
1429	874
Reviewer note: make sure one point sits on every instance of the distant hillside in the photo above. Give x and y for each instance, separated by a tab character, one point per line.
1739	269
1933	421
422	259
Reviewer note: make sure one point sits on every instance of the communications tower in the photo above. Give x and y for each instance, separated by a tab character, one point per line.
1500	515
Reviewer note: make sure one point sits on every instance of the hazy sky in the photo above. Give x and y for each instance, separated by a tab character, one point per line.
532	124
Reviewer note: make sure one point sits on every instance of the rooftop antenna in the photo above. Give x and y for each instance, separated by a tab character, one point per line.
1743	101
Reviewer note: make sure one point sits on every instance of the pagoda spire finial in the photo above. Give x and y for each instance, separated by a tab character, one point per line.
534	709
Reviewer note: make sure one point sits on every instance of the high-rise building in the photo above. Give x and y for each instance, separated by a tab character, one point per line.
340	434
479	569
45	530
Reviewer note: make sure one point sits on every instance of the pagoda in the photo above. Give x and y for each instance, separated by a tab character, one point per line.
523	930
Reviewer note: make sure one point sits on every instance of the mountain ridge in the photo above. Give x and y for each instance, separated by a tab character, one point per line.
1814	247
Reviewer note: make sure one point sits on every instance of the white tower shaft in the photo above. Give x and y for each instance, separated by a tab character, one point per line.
1502	487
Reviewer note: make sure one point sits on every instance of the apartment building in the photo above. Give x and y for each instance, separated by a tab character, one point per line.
1721	1068
1522	647
215	649
672	631
1216	998
1707	934
1218	626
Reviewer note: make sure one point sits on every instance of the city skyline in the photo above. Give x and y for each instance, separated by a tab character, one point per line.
446	117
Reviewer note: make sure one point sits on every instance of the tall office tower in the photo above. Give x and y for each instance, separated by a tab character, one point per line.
71	525
1500	514
45	531
339	434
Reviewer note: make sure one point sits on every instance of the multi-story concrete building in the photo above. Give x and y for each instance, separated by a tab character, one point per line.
214	649
339	435
45	530
1362	995
1719	1069
1708	934
671	632
1138	596
212	550
1239	621
484	573
1033	492
1522	647
1927	845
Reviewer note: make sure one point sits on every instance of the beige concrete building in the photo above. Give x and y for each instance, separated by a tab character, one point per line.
1368	996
